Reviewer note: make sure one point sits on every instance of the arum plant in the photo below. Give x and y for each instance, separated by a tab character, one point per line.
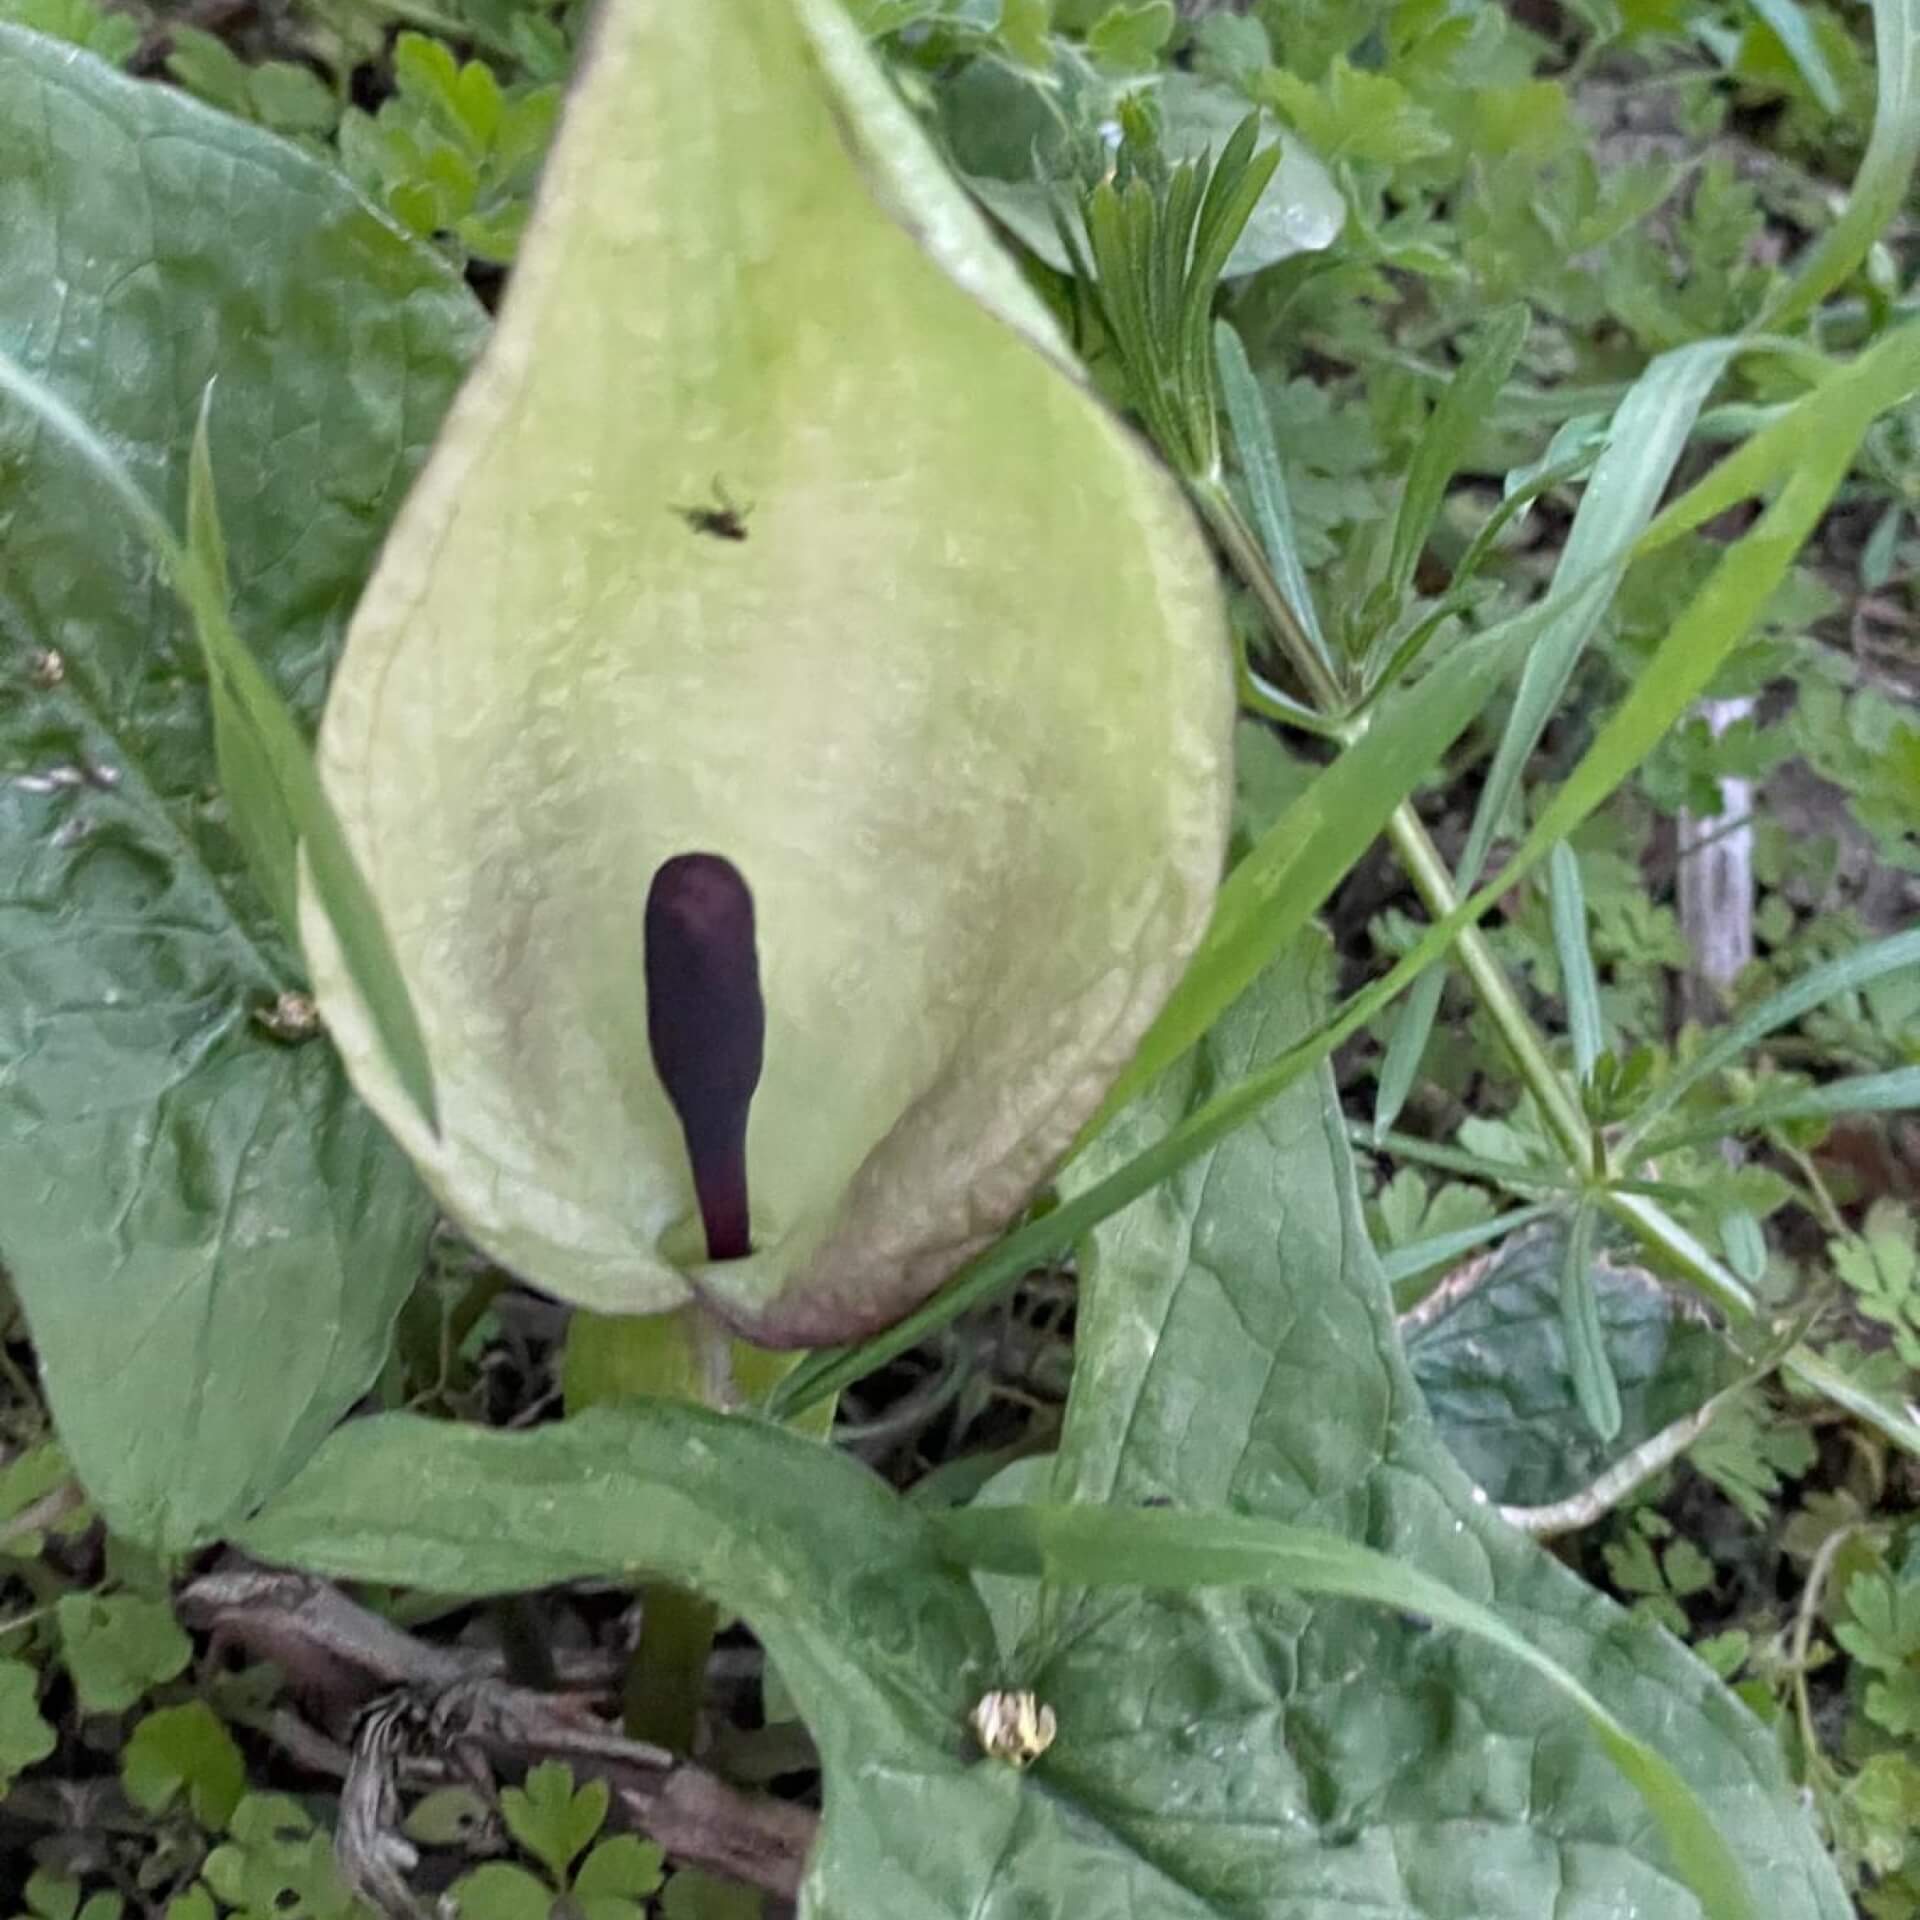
780	883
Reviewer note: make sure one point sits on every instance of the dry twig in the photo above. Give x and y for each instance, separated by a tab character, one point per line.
464	1711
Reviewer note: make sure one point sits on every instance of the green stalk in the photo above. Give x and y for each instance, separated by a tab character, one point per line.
1559	1107
1430	875
1649	1222
1242	547
685	1355
666	1680
1555	1099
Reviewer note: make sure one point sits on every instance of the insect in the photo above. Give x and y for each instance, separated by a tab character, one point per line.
723	520
1013	1727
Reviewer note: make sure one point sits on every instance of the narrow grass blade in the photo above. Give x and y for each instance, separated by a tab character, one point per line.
1644	442
1893	1420
1093	1546
1515	502
1886	169
1508	1174
205	540
1707	630
1895	1092
1594	1386
1466	405
1794	31
1402	1263
1748	572
256	806
1312	847
1577	982
1240	176
1266	481
1406	1048
250	710
1819	984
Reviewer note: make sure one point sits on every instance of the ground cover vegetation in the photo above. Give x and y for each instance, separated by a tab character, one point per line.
1386	1387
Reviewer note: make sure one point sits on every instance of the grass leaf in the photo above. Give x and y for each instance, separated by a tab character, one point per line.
1594	1386
1828	981
1582	990
1893	1092
1266	481
1466	405
1886	169
1644	442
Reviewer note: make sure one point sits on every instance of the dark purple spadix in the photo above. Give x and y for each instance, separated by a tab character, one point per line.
707	1025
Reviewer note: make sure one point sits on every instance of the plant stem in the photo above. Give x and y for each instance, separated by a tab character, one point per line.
1815	1760
1242	547
1650	1223
665	1688
666	1680
686	1356
1434	883
1657	1229
1433	880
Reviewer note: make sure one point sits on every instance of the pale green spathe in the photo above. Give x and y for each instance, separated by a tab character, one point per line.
958	706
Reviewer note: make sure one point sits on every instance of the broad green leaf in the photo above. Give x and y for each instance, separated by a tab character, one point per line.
105	31
885	1649
25	1736
447	1817
275	1862
624	1867
1355	115
1886	169
699	1896
1492	1368
52	1895
209	1235
1130	33
117	1646
185	1746
1097	1547
955	671
499	1890
552	1819
1236	1351
267	783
